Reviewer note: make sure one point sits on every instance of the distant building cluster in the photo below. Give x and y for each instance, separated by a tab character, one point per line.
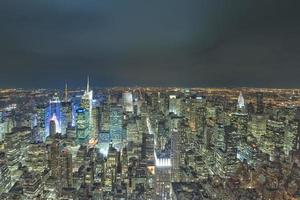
150	143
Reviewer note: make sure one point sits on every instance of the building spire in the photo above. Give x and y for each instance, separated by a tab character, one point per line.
88	84
66	92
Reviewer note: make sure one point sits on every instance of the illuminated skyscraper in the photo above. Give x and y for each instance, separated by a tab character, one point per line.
82	125
66	169
87	105
175	105
273	138
127	102
41	121
52	128
226	156
66	110
13	153
55	112
116	124
36	158
110	170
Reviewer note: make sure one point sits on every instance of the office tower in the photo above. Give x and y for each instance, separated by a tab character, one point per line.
110	170
176	153
7	123
273	140
82	125
259	103
53	157
104	119
127	102
52	128
87	105
95	128
195	114
104	141
13	153
66	111
132	132
36	159
175	105
5	181
116	125
162	182
257	126
66	169
240	123
226	156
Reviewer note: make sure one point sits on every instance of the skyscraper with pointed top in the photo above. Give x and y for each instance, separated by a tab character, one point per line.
87	103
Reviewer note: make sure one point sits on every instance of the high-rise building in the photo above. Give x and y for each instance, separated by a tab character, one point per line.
87	105
66	169
175	105
52	127
66	111
82	125
54	158
273	140
127	102
116	124
259	103
5	181
36	159
55	113
13	153
226	156
33	186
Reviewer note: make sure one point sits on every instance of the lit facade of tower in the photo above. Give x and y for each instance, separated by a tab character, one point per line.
127	102
174	105
54	113
87	104
66	110
54	126
116	124
226	155
82	125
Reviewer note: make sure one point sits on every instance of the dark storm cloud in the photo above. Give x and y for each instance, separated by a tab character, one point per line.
171	42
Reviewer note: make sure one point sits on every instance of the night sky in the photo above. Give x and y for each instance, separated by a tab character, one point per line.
188	43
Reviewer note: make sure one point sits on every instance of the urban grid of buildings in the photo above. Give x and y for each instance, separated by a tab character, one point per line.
149	143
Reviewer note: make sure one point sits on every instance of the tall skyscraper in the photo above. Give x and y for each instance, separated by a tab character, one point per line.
127	102
87	105
116	124
226	156
55	112
259	103
175	105
82	125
